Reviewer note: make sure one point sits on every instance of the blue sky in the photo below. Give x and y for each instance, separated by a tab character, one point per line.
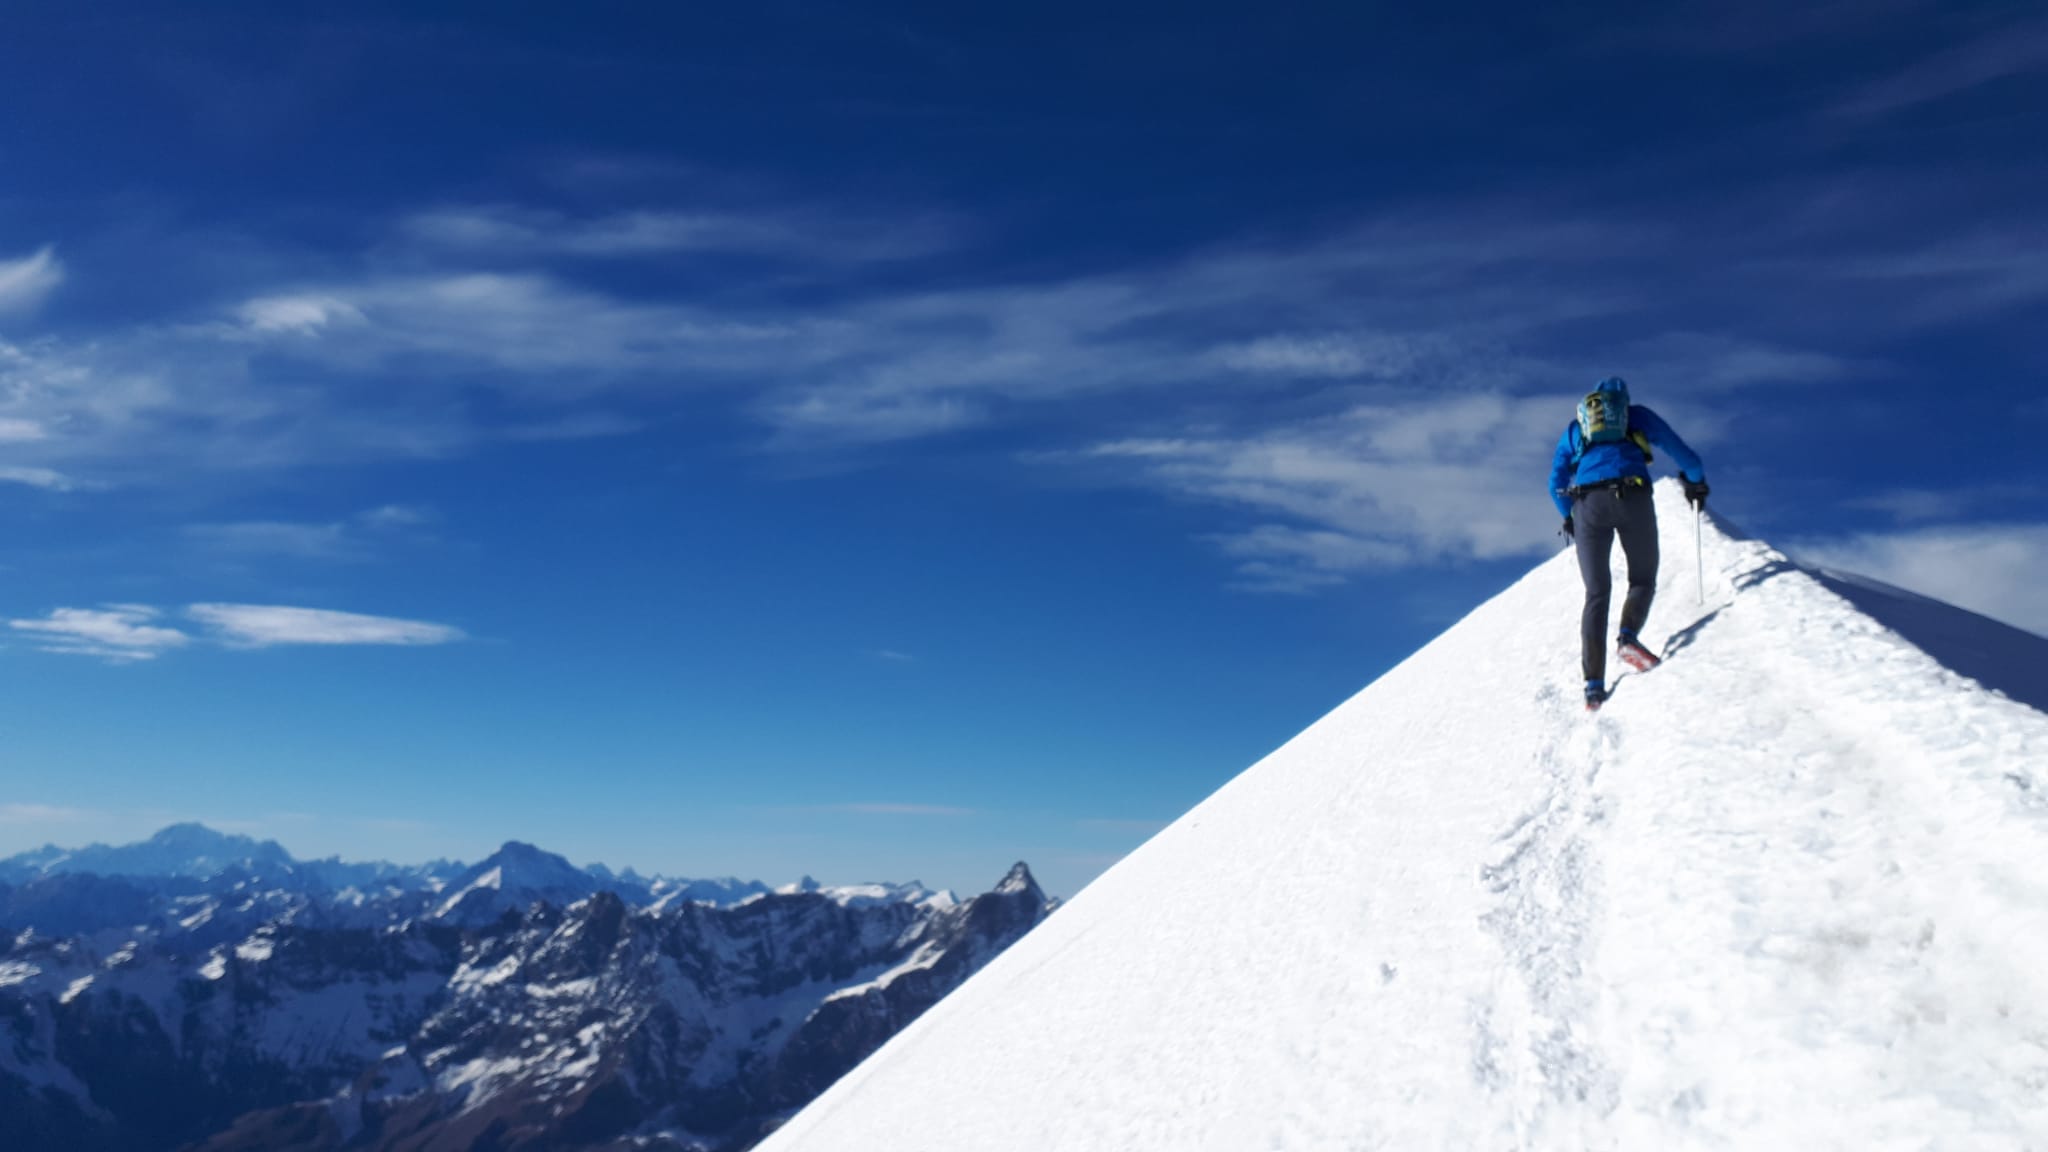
892	441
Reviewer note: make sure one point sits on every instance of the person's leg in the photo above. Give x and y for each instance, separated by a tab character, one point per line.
1595	544
1638	530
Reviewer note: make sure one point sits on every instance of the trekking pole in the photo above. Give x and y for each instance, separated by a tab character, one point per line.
1699	554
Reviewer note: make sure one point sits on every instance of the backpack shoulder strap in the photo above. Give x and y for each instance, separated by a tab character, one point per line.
1643	442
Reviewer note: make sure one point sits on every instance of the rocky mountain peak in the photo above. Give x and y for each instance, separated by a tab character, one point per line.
1019	879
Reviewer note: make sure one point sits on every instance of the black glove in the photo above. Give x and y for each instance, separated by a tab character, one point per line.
1696	493
1567	527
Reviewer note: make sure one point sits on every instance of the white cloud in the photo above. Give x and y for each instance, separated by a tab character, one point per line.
14	430
1263	341
389	516
509	231
1993	569
873	415
356	538
2009	51
1285	558
78	402
265	626
24	282
1957	276
1910	504
48	478
1971	502
125	633
120	633
302	315
506	230
1417	481
313	541
38	814
1122	824
404	824
891	809
525	323
1331	355
1720	362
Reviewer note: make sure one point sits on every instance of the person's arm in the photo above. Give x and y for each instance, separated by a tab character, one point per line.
1660	435
1562	464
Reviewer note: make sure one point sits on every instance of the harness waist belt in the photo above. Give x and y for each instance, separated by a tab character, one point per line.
1619	484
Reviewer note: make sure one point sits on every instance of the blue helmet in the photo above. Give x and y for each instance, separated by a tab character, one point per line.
1616	386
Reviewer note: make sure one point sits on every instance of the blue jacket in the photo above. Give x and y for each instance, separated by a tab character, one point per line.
1570	468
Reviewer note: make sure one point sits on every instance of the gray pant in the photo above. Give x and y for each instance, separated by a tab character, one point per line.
1597	518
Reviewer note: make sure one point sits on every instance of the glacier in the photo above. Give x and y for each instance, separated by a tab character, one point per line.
1788	890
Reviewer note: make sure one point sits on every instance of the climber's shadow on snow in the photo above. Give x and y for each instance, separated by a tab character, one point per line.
1684	637
1744	581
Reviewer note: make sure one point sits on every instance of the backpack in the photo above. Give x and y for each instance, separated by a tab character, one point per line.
1603	414
1603	419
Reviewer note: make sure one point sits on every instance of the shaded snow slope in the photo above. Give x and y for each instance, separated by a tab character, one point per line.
1995	654
1789	890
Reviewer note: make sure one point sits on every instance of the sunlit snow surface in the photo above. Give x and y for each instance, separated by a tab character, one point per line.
1789	890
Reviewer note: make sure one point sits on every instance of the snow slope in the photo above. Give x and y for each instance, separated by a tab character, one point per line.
1789	890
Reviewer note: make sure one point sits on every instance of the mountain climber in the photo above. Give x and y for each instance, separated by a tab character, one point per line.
1600	481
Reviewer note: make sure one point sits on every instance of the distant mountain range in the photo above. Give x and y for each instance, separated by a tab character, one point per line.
208	990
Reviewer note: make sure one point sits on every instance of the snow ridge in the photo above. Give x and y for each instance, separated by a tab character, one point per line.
1789	890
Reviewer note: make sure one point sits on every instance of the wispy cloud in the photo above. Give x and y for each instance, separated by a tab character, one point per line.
266	626
891	656
1910	504
118	633
303	314
292	373
40	814
1993	569
1141	827
351	539
1973	502
396	516
321	541
1959	276
1336	356
2008	51
1705	362
894	809
503	230
531	323
45	478
396	824
1251	375
1763	29
129	633
25	281
16	431
1377	486
1339	328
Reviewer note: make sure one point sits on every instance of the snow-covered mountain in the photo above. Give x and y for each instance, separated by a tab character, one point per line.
202	887
189	878
1787	891
189	851
518	1003
512	878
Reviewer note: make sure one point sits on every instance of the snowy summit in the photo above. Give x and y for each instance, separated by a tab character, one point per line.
1785	891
